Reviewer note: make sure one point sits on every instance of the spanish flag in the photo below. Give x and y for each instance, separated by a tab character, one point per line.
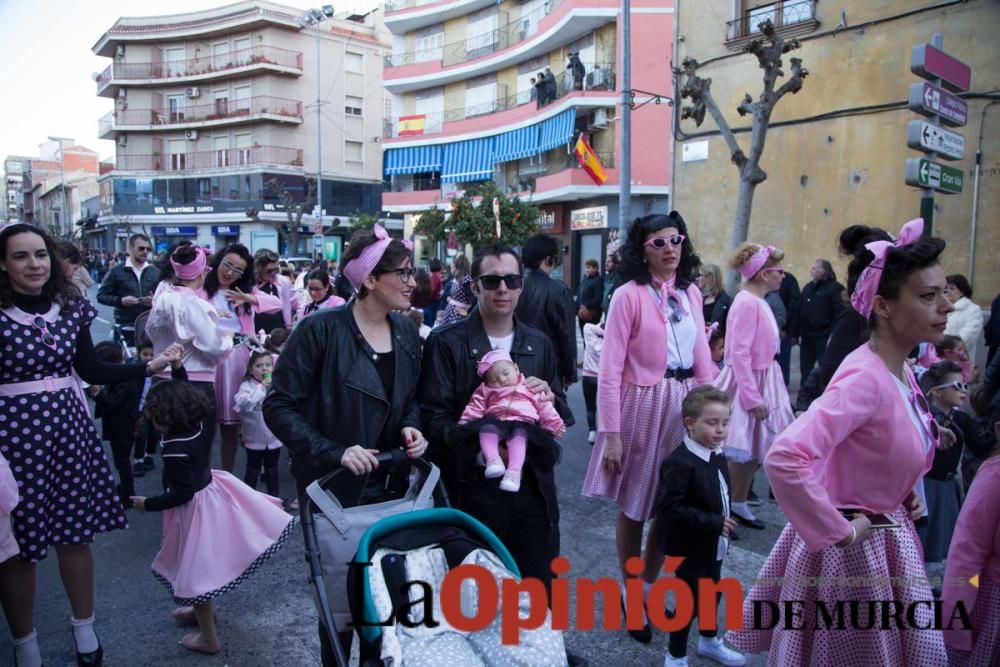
588	159
407	126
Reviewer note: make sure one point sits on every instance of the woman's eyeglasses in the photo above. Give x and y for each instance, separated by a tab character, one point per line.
404	275
780	271
958	386
47	338
511	280
232	269
660	242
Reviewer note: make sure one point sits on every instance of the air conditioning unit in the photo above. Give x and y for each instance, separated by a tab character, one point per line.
597	119
122	139
193	91
191	135
122	93
120	51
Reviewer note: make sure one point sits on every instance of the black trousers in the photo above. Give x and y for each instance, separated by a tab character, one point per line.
268	459
590	399
811	351
690	571
785	359
145	440
121	454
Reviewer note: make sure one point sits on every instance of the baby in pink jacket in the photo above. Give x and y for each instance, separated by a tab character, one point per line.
8	501
503	403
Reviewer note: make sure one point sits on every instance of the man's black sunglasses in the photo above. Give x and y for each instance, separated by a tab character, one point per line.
511	280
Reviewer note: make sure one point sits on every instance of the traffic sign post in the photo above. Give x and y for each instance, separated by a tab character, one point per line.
930	101
923	136
926	174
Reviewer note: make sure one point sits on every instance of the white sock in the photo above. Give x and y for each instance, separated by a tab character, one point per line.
26	651
83	633
743	510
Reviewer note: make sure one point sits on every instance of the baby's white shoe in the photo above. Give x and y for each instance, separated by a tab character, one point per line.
511	481
495	468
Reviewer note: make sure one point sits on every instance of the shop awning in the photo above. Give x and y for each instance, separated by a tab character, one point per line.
556	131
412	160
470	160
516	144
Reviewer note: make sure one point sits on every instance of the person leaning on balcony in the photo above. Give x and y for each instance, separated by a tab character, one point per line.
541	90
129	286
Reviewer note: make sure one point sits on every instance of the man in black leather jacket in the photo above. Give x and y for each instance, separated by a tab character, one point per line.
129	286
527	521
547	303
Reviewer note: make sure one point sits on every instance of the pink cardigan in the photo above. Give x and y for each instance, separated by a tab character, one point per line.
975	549
636	350
517	403
751	344
856	447
265	304
332	301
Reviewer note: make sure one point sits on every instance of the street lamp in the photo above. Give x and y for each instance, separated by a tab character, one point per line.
313	18
62	180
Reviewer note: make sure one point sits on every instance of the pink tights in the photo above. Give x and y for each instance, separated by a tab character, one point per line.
517	445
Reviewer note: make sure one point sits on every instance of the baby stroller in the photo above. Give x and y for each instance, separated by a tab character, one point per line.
415	538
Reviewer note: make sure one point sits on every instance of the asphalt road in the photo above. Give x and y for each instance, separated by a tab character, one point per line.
270	619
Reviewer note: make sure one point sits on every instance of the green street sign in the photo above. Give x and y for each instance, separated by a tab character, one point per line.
927	174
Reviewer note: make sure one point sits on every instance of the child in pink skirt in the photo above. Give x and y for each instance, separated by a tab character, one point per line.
8	501
216	530
503	406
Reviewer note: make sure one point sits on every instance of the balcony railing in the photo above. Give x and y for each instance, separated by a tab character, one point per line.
413	184
209	64
399	5
599	77
222	109
478	46
783	14
218	159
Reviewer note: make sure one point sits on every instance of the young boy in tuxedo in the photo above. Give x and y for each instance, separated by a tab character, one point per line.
693	516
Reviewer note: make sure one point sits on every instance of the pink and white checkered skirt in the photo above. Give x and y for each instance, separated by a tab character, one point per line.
749	438
651	428
985	618
888	566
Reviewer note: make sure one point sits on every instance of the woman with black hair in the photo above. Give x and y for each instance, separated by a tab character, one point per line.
46	434
655	352
846	471
321	294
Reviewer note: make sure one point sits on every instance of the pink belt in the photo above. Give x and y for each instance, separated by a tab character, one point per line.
38	386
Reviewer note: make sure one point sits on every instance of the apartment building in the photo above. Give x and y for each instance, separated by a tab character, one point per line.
34	185
465	107
215	113
14	167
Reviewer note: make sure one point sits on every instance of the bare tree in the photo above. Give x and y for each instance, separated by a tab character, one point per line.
769	49
289	231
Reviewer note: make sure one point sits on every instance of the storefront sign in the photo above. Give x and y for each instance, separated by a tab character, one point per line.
202	208
589	218
547	220
225	230
122	234
183	230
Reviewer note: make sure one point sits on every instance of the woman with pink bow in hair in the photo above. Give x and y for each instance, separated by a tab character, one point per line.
752	376
845	474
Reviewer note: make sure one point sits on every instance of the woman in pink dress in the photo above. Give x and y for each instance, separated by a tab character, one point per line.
655	351
858	452
752	376
231	289
321	294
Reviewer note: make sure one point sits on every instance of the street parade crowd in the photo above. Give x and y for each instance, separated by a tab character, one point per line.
885	464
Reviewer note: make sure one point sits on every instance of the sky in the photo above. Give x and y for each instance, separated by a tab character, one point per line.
48	64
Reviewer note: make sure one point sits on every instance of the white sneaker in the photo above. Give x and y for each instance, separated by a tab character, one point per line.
671	661
495	468
592	437
511	481
717	650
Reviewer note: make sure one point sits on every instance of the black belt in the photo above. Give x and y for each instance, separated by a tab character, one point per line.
947	477
679	373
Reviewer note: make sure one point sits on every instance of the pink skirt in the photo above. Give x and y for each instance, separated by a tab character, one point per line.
749	438
651	428
218	539
887	566
228	377
985	618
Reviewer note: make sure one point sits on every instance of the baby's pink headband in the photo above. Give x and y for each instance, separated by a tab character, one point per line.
361	266
864	292
192	270
491	358
757	261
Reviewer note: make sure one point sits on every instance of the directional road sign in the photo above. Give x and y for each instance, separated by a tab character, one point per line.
926	174
923	136
931	63
929	100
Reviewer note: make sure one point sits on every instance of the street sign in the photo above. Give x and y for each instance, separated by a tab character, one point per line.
932	63
930	100
926	174
318	242
923	136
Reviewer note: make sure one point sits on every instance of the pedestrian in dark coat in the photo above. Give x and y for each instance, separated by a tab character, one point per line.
821	303
790	294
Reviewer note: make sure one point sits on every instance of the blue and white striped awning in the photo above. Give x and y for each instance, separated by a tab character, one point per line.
516	144
412	160
556	131
470	160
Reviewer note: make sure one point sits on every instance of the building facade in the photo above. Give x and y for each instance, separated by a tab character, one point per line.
215	113
464	108
835	152
14	167
35	185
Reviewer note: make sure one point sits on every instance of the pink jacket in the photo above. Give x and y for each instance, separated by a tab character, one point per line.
516	403
751	344
975	549
331	301
636	351
8	501
593	337
265	304
248	401
856	447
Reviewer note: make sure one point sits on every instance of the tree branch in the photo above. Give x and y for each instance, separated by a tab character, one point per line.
794	84
699	90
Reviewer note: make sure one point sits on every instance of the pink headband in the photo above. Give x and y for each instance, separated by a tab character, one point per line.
491	358
361	266
193	270
757	261
864	292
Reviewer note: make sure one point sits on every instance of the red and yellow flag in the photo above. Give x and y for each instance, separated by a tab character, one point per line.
588	159
410	125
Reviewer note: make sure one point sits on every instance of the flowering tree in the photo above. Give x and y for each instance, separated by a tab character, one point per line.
472	219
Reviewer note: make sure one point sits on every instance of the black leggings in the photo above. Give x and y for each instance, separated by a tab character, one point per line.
257	458
121	451
690	572
590	399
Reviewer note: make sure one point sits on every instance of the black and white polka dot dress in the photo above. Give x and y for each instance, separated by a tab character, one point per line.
63	477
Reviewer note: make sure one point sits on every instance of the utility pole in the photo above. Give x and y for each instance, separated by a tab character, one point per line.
625	123
319	145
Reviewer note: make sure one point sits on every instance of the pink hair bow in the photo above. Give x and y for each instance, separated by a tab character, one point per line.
361	266
863	298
